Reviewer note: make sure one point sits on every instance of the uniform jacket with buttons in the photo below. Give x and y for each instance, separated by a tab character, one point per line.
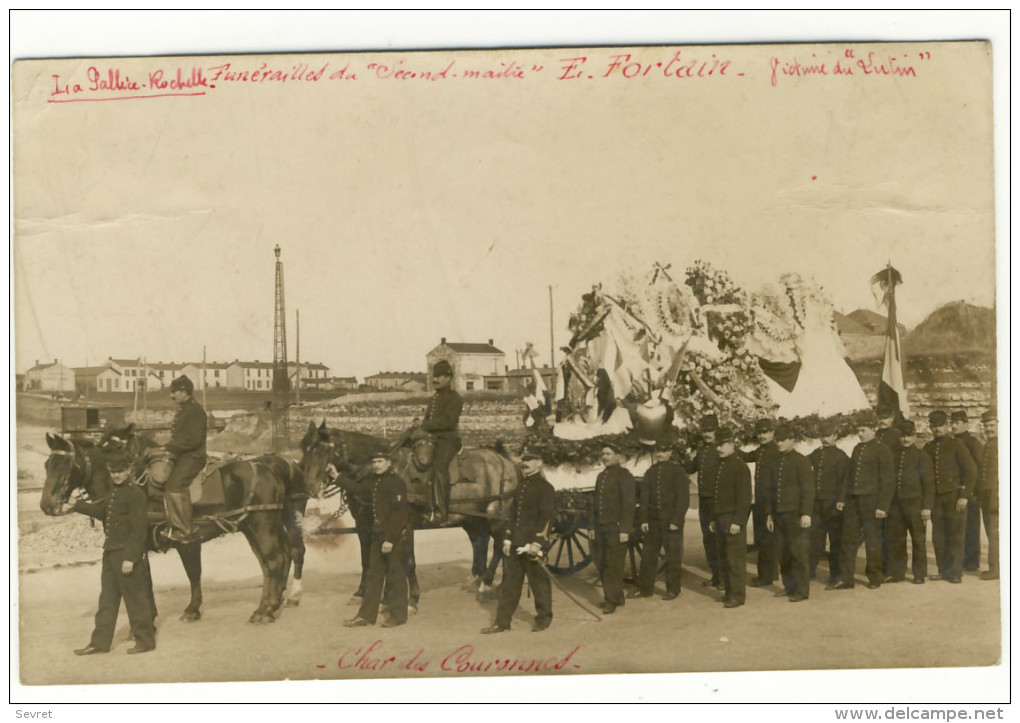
871	472
915	477
665	494
890	437
442	416
764	458
830	464
187	436
389	506
705	465
974	446
989	469
615	498
791	486
531	511
955	469
125	520
732	489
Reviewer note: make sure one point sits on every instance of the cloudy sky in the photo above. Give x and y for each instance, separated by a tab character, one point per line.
411	210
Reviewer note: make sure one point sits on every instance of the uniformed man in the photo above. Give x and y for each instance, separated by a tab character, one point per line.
525	542
972	528
790	500
442	422
764	458
615	499
830	464
387	565
125	572
910	509
665	499
988	491
887	433
865	500
704	462
732	506
955	478
187	450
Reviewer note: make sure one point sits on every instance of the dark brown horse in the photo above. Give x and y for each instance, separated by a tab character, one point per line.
251	500
480	492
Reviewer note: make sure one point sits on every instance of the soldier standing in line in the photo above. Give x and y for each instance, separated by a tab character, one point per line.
988	492
524	543
731	505
125	571
865	500
790	500
830	464
955	477
888	433
665	499
910	509
388	556
614	518
764	458
704	463
972	528
442	422
187	448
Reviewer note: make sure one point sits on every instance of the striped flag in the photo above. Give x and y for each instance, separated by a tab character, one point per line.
892	390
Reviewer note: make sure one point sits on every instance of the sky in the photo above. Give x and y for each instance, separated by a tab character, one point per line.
410	211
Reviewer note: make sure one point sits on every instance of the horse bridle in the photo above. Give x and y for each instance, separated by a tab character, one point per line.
332	487
86	473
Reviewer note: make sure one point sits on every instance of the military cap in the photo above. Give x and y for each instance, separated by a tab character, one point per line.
937	419
663	445
783	432
379	454
908	428
182	384
645	442
764	425
725	434
958	416
826	429
989	416
610	444
530	453
709	423
442	368
884	410
868	420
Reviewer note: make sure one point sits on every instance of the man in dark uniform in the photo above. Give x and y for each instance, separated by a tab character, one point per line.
888	433
704	463
615	497
988	491
972	528
665	499
830	464
865	500
442	421
790	500
524	544
764	459
732	505
910	509
955	477
187	449
125	568
388	556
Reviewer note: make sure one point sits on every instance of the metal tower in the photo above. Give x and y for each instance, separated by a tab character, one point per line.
281	382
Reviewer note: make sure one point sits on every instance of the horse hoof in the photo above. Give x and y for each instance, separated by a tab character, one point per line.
484	589
191	616
292	602
412	608
258	618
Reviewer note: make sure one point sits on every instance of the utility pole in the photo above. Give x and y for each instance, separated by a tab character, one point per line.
297	359
205	399
281	380
552	341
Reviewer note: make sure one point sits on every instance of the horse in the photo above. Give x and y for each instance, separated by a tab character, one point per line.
252	502
485	483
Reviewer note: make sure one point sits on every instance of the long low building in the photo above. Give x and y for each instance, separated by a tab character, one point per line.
130	375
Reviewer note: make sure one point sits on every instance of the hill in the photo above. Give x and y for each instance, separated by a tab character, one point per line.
955	327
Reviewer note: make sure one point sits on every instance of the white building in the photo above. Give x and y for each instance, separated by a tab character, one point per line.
471	363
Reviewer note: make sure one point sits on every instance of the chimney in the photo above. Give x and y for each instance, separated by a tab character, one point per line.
442	340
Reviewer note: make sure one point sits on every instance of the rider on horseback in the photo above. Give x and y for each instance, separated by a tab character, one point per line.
187	448
442	418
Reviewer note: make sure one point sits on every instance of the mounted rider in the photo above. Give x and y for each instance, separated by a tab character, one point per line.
187	450
441	422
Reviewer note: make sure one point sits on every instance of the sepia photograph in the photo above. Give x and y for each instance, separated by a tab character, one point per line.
574	361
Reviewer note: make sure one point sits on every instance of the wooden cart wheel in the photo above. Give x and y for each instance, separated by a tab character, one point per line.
570	551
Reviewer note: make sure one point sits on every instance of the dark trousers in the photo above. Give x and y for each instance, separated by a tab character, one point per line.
972	537
136	591
990	513
768	558
515	569
732	552
826	523
904	516
858	517
609	558
792	542
445	450
707	536
660	536
183	473
390	571
947	535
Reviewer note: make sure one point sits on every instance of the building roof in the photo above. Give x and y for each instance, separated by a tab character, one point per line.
353	380
307	365
39	367
209	365
397	375
172	366
463	348
126	362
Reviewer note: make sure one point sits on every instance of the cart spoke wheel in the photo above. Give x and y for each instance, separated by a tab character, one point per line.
577	544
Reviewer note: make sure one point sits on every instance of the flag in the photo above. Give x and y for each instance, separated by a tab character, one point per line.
892	390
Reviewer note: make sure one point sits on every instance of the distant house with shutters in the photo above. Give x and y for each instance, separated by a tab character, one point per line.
165	372
393	380
50	377
86	379
206	375
471	363
253	376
